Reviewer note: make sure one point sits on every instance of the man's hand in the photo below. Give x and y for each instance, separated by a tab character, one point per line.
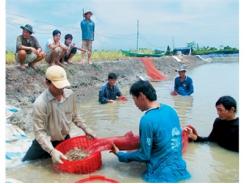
34	50
174	93
114	149
111	101
89	133
39	51
192	135
57	156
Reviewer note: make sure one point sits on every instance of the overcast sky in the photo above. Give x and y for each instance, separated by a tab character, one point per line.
162	22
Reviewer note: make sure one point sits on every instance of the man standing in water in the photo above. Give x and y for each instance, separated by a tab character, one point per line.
87	27
160	138
109	92
225	130
53	112
183	84
28	49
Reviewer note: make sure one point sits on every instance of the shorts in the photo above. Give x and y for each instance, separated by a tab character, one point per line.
73	51
29	57
36	151
87	45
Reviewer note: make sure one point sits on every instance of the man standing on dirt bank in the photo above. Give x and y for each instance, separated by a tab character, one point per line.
28	50
183	84
87	27
53	112
55	50
160	138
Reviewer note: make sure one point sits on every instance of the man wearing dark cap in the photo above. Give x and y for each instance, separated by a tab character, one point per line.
28	50
87	27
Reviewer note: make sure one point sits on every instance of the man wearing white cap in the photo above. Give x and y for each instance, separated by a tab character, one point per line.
183	84
53	113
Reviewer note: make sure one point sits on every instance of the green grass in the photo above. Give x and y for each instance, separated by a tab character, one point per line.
10	57
97	55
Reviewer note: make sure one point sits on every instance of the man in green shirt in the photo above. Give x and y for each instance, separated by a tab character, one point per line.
28	50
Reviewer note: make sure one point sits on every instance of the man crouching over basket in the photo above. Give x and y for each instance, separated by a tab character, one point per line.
53	112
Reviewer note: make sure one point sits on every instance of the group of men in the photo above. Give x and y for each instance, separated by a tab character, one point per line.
29	51
159	129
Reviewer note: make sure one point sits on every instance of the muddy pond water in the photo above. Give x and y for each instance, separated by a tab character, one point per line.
206	162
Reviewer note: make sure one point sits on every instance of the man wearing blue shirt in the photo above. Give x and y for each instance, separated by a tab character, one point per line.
183	84
160	138
87	27
109	92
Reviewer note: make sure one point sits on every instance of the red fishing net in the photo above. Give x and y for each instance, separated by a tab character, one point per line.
97	178
152	71
93	162
129	141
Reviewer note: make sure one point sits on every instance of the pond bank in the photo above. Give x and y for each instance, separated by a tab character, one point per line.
23	87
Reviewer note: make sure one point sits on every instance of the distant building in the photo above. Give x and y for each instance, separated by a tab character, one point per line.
182	50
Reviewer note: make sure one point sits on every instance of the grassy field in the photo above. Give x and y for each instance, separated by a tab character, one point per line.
102	55
98	55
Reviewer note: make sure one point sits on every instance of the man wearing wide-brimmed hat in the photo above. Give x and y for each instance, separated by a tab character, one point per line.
28	49
54	111
87	27
183	84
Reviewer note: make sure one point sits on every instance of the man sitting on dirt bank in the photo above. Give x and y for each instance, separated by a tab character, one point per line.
183	84
109	92
28	50
160	138
225	130
72	49
53	112
55	50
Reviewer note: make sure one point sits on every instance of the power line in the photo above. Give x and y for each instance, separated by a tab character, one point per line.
117	36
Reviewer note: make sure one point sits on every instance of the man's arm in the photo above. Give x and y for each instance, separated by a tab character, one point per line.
210	138
93	30
37	45
118	92
63	47
40	127
176	84
53	45
81	49
102	98
191	89
144	152
22	47
41	134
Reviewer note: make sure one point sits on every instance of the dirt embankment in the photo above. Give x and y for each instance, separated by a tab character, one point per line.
23	87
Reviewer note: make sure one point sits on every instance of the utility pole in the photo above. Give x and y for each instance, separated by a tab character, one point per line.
173	43
137	44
